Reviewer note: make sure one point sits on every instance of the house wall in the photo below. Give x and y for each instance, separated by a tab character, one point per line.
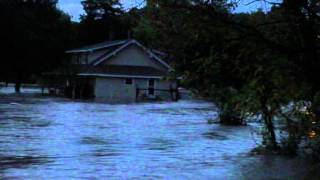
115	89
134	56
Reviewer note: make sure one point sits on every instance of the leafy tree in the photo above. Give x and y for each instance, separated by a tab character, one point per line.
248	64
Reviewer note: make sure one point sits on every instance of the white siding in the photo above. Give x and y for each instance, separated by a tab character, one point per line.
115	89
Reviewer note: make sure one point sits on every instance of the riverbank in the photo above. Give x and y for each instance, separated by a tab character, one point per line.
25	89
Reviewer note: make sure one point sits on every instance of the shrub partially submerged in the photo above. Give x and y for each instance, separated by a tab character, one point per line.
231	119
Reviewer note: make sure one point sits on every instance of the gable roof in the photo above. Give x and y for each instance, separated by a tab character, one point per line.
117	46
134	42
94	47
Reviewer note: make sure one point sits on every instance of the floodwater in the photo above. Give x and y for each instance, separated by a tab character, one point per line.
55	138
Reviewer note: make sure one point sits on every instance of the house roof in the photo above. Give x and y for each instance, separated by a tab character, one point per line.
94	47
110	71
114	48
127	44
124	71
65	71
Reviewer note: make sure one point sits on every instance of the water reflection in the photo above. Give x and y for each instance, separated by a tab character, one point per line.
277	167
93	141
160	144
8	162
214	136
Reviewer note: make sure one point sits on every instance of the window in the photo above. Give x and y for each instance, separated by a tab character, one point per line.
151	83
151	89
129	81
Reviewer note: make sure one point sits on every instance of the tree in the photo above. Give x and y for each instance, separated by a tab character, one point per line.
102	21
248	64
35	37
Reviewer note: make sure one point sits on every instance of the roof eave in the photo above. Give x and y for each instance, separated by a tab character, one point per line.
121	76
154	56
77	51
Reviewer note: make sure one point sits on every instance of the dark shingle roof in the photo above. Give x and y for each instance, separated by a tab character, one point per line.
65	71
124	70
110	71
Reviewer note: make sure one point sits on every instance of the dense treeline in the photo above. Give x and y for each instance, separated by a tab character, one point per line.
260	65
34	35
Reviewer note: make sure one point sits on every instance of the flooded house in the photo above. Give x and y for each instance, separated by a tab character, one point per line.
115	71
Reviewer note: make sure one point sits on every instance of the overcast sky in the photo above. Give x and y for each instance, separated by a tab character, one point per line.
74	7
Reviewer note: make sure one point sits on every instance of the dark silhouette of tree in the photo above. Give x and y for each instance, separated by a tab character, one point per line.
34	37
252	64
102	21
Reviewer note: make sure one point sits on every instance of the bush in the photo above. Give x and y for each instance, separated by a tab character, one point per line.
231	118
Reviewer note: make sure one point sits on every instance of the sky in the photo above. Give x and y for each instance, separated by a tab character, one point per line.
74	7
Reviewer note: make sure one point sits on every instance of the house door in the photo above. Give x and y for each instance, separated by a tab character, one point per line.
151	88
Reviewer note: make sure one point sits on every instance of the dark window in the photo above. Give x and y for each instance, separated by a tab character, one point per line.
151	87
129	81
151	83
151	91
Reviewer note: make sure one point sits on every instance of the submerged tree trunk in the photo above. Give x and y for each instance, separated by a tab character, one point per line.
6	81
268	120
18	84
230	117
267	115
17	87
